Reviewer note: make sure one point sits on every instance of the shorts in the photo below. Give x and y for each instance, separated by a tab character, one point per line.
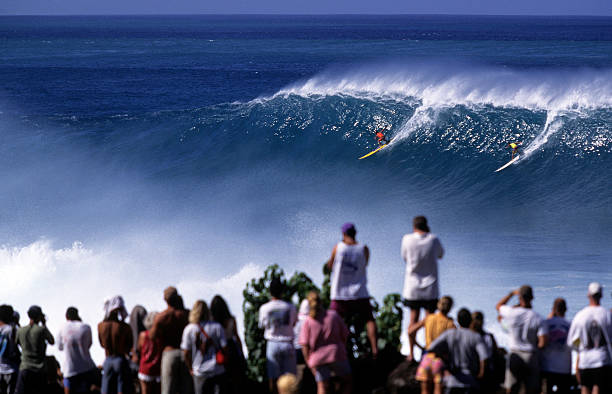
431	369
280	359
596	377
149	378
429	305
82	382
347	308
327	371
523	367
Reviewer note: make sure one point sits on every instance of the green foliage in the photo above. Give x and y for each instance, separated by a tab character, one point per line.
389	322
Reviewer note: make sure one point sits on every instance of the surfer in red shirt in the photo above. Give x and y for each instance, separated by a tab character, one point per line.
382	139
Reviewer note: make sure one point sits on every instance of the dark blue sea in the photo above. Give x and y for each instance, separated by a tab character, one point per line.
138	152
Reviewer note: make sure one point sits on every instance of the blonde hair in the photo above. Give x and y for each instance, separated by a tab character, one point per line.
287	384
199	312
314	303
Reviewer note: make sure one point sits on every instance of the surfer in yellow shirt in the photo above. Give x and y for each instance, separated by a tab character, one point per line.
515	148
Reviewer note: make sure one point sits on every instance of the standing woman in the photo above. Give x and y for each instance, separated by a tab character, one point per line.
235	367
323	339
202	340
150	351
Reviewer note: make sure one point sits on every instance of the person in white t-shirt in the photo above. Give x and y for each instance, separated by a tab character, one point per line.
420	250
557	356
527	335
349	291
202	339
75	340
277	318
590	334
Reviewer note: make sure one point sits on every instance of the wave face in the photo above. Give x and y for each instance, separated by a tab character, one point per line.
142	152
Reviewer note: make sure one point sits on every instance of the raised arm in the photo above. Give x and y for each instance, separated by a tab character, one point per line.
330	262
505	300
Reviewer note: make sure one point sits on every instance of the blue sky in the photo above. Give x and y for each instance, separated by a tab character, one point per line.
495	7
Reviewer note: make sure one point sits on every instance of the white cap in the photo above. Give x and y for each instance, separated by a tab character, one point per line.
595	288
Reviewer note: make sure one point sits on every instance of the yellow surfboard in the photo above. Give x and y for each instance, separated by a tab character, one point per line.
374	151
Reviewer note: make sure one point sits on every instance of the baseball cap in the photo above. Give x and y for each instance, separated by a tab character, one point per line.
348	227
595	288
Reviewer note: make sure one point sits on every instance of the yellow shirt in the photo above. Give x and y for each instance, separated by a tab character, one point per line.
436	324
513	145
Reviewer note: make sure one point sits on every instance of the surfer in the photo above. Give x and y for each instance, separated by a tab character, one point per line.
515	148
381	138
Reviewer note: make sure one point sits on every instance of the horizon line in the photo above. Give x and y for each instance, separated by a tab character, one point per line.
308	14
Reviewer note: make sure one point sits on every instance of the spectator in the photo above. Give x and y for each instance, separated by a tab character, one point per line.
527	335
590	333
137	316
323	339
421	251
287	384
303	313
431	368
33	340
202	340
495	365
168	329
235	366
75	340
9	356
557	355
277	318
349	292
467	355
116	338
150	351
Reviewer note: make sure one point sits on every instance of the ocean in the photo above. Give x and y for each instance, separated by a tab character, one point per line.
143	151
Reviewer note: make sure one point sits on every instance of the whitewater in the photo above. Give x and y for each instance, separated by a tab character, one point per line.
139	152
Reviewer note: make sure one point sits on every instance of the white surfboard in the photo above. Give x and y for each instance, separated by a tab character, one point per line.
508	163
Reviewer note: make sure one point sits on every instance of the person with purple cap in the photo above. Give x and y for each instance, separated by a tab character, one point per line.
33	340
349	291
116	338
420	250
590	334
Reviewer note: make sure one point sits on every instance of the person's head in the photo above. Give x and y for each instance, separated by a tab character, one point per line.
219	310
477	321
287	384
464	318
35	314
419	223
304	310
525	295
314	303
72	314
114	308
559	307
6	314
276	288
445	304
137	316
199	312
349	230
595	292
149	319
172	298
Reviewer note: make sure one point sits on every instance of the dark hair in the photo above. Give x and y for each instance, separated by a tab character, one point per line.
420	223
526	293
6	314
72	313
464	318
276	288
219	310
559	306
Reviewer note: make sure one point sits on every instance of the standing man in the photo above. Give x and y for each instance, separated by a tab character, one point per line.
75	339
467	355
349	292
168	328
277	317
590	334
421	251
9	356
115	337
527	334
557	355
33	340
